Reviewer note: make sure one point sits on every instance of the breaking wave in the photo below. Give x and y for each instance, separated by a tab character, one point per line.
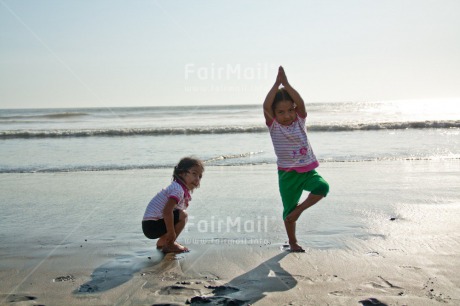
8	134
59	115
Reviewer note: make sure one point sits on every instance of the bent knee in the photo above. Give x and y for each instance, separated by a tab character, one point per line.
183	215
321	189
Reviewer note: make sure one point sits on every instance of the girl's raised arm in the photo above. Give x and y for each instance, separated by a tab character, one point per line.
300	105
268	112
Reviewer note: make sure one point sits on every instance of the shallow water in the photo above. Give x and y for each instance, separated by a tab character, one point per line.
235	205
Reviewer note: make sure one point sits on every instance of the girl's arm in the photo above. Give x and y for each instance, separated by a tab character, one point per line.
168	216
300	105
268	112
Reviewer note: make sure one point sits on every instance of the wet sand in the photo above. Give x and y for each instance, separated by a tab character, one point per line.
392	239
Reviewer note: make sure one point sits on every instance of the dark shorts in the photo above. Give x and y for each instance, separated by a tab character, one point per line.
155	229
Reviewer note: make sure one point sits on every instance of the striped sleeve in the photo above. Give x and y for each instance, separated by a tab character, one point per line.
154	210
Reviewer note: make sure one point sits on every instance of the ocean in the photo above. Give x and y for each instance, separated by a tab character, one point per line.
108	139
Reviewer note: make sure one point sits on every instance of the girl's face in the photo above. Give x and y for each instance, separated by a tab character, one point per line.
192	177
285	112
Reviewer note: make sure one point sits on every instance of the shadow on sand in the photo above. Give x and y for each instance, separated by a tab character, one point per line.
251	286
117	272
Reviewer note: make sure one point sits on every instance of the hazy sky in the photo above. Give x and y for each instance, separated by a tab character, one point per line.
150	53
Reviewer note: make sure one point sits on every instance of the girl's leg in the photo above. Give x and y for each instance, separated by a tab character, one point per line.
291	219
179	226
179	223
290	230
175	247
318	187
291	191
311	200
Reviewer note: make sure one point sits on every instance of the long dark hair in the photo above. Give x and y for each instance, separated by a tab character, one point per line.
281	95
184	165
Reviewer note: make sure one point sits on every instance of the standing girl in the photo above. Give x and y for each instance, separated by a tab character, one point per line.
285	117
165	215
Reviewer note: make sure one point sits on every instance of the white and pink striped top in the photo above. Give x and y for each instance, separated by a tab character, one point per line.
292	147
177	191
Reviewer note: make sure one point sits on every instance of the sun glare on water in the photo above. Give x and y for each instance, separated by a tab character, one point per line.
420	110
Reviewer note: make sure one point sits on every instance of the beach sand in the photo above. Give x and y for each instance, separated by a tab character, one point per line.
387	234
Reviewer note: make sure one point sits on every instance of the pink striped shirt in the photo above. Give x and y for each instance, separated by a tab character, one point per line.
292	147
176	191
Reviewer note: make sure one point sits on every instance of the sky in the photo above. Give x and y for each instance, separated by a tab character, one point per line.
111	53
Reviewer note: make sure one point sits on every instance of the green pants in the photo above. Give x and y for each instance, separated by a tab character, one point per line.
292	184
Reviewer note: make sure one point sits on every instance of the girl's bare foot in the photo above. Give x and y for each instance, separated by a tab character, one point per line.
175	248
296	248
